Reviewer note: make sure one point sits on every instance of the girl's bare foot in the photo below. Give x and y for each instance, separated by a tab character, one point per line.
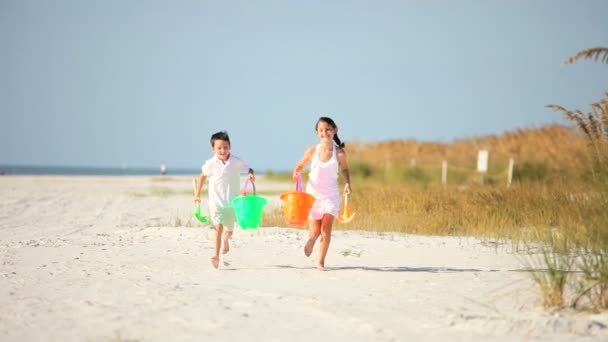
308	247
320	267
215	261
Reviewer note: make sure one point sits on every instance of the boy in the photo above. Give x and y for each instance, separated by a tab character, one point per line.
223	172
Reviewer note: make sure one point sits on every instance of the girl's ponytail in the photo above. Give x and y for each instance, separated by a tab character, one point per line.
338	141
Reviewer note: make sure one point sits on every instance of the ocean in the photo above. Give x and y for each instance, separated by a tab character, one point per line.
90	171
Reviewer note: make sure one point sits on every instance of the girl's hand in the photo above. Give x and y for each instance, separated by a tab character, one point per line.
347	189
197	199
251	177
294	176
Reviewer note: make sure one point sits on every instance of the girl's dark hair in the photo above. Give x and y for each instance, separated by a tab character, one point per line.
223	135
331	122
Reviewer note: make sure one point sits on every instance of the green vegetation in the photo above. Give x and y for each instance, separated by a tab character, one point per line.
162	191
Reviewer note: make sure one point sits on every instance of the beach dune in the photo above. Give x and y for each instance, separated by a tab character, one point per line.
118	258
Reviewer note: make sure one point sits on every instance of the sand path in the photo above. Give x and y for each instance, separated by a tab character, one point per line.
121	259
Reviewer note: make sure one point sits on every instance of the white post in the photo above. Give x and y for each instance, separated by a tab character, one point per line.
444	172
510	177
482	164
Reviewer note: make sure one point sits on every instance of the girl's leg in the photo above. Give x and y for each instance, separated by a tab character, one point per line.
215	260
314	230
326	226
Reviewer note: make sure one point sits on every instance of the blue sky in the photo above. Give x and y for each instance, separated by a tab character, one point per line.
139	83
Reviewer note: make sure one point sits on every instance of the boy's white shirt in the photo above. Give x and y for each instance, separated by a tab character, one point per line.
224	180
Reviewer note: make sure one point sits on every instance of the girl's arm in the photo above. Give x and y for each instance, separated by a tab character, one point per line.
300	165
341	155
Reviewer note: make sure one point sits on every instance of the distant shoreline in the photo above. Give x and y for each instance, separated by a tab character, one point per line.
90	171
94	171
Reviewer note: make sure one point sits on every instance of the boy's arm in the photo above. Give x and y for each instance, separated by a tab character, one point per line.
199	186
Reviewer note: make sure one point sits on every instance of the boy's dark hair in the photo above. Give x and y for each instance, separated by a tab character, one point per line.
331	122
223	135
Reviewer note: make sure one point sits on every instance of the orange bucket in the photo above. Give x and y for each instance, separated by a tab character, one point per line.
297	205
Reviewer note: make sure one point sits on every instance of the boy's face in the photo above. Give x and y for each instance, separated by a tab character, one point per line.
221	148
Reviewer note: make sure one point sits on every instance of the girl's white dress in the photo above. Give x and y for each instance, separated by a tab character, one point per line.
323	185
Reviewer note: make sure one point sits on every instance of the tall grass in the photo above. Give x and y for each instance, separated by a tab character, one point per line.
561	150
564	224
582	263
518	212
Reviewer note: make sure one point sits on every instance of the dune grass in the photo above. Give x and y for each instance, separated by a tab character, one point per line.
162	191
579	257
562	228
498	212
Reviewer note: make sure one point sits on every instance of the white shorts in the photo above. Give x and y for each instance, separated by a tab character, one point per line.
223	216
327	202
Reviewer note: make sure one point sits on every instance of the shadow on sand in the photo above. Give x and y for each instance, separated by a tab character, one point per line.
402	269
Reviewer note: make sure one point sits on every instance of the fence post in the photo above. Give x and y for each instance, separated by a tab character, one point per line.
510	177
482	164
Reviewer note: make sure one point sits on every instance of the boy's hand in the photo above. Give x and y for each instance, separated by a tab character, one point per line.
251	175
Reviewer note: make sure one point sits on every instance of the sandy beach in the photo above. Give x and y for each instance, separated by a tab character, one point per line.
122	259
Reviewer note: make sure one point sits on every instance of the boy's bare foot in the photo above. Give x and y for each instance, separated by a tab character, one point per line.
320	267
226	247
308	247
215	261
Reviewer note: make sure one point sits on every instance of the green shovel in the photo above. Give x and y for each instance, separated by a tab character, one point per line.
197	210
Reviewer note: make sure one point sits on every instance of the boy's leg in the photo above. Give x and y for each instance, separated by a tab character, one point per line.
229	221
215	260
217	219
314	230
326	226
225	244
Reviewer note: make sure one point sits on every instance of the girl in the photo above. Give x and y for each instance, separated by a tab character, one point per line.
327	158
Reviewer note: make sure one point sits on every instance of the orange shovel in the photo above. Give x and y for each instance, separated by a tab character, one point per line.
346	215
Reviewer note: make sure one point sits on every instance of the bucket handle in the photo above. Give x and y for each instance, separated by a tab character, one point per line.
245	185
299	182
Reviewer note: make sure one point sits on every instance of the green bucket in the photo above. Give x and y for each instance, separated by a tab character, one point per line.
248	208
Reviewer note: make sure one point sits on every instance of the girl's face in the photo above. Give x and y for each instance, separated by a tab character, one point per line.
326	131
221	148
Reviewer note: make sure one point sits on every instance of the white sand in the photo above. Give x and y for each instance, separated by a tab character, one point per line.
103	259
